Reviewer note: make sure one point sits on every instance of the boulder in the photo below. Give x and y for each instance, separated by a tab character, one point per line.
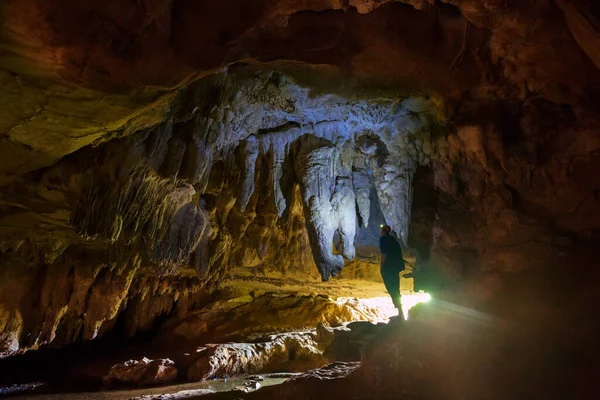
144	372
284	352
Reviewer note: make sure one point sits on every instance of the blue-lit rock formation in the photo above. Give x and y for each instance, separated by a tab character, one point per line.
251	169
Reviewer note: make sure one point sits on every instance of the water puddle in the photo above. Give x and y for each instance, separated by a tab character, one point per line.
174	392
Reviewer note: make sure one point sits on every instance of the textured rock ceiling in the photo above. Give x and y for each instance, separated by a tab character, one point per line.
80	73
148	147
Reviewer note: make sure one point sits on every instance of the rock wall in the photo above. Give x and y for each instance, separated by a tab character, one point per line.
505	194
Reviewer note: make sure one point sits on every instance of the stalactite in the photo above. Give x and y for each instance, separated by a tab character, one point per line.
250	152
314	171
361	182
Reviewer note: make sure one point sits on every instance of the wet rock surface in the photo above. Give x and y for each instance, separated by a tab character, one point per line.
289	352
247	308
305	383
183	394
292	352
248	386
21	389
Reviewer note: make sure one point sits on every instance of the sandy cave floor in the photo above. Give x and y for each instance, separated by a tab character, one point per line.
334	288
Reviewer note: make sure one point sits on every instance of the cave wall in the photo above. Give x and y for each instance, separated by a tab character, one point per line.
503	205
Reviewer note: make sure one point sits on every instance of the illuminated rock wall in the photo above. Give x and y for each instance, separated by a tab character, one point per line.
252	171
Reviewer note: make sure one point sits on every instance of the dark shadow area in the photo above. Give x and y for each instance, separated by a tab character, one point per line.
57	369
423	212
80	367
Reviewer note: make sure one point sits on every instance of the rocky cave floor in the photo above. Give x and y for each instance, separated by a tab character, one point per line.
278	326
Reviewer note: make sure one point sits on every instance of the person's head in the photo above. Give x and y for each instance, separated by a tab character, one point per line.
385	230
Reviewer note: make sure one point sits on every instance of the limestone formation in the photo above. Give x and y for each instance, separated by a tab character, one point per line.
196	194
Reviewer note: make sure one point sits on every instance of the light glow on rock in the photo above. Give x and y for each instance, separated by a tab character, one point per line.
381	309
373	309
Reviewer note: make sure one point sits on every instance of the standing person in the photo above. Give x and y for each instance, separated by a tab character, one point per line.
392	263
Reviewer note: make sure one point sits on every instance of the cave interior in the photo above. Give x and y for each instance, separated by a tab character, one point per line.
192	192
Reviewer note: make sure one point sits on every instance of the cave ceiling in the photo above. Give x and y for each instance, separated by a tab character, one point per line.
80	73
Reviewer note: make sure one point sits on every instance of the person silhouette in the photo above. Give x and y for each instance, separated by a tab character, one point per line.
392	263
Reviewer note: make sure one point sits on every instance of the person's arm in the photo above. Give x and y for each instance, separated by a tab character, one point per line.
382	259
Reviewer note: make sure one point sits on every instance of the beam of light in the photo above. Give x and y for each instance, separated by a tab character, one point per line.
381	309
467	313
